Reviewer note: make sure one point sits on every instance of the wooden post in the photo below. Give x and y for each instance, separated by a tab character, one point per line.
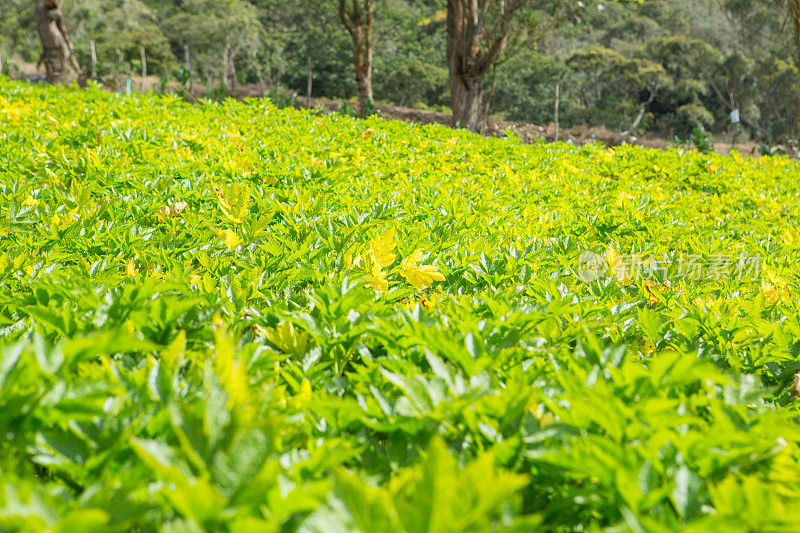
119	70
310	82
225	62
558	96
186	60
144	68
94	60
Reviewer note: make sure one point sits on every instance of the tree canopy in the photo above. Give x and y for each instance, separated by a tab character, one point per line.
687	62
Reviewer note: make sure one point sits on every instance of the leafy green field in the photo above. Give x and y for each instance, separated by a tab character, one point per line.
233	317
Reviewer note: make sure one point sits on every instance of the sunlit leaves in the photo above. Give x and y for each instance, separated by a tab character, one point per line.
230	238
233	200
420	276
229	317
380	249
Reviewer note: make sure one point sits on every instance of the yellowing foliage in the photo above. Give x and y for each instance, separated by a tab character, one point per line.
420	276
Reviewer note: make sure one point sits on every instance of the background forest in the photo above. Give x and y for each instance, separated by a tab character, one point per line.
687	62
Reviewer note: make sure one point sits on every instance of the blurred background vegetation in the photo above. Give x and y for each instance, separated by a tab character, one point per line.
684	62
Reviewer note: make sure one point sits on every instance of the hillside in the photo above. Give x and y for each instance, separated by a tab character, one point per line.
230	317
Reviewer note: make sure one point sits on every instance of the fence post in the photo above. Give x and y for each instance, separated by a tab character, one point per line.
310	81
119	70
225	63
186	59
144	68
94	60
558	96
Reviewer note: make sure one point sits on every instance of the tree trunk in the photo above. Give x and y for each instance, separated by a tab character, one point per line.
234	76
466	96
470	55
358	22
52	46
57	50
362	61
794	11
640	115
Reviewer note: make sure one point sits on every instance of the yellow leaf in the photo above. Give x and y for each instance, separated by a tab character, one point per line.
774	288
380	249
378	279
420	276
616	266
305	391
130	269
231	370
230	238
790	236
303	396
350	261
233	200
653	290
286	338
12	112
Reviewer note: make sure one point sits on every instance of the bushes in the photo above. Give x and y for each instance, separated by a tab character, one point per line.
525	90
411	82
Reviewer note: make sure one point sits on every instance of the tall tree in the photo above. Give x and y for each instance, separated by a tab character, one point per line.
357	17
479	33
792	8
57	49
